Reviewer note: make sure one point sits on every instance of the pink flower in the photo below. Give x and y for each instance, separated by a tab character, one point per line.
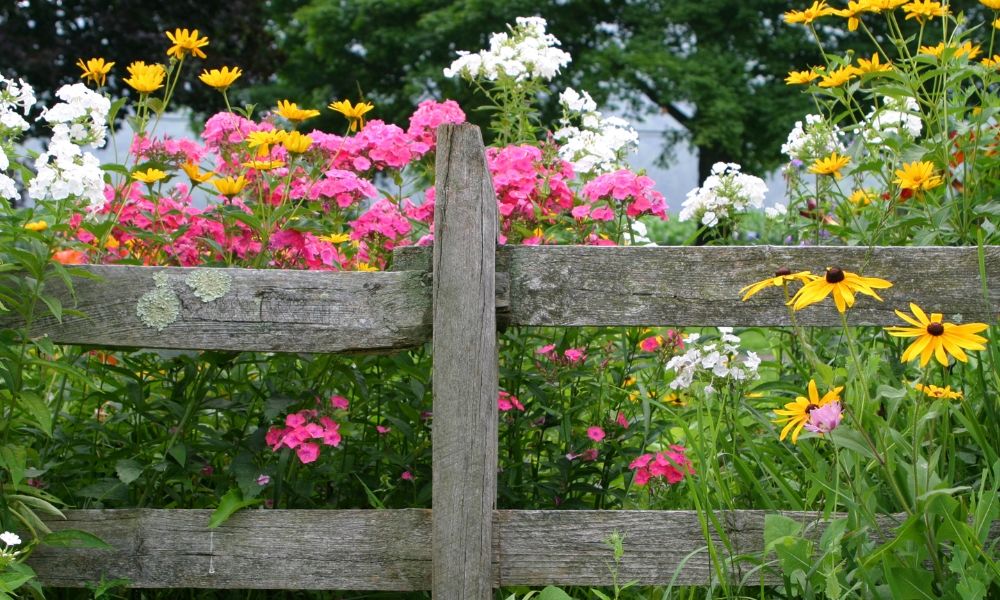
406	475
651	343
589	455
595	433
430	114
507	401
382	429
307	452
621	420
546	350
634	191
295	420
671	466
263	480
339	402
574	355
825	418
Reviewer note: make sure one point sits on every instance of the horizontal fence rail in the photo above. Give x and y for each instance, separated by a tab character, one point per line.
391	549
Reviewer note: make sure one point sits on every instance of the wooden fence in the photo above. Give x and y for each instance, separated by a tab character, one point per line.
455	296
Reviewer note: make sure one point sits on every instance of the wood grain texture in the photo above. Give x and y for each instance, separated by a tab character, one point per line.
465	367
689	286
391	549
266	310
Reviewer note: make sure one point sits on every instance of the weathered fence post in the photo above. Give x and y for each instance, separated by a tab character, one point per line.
465	367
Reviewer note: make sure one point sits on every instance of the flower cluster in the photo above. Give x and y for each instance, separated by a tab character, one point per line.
895	118
724	194
816	138
670	466
300	428
623	186
713	362
591	142
16	99
507	402
527	52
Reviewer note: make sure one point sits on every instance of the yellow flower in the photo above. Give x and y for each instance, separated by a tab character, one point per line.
186	42
293	113
95	69
936	337
355	114
365	267
818	9
150	175
967	49
880	5
830	165
36	226
264	139
922	10
801	77
996	23
263	165
795	415
296	143
874	65
334	238
839	77
195	173
917	176
992	4
229	187
852	12
781	278
145	78
673	399
934	391
861	197
220	79
991	63
842	285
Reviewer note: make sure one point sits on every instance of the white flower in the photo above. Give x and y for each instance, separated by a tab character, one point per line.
816	139
776	211
895	118
11	539
528	52
8	189
724	193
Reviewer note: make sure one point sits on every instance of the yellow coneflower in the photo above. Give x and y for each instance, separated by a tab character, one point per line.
862	197
922	10
362	266
917	176
852	13
355	114
936	337
839	77
220	79
334	238
296	143
795	415
263	165
185	42
818	9
195	173
293	113
801	77
873	65
264	139
228	186
830	165
933	391
842	285
95	69
148	176
782	277
145	78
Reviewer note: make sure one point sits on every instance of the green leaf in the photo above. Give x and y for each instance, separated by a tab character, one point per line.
911	584
38	504
777	527
33	406
553	593
128	470
74	538
14	460
179	453
228	505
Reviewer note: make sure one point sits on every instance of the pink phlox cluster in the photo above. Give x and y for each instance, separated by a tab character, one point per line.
226	128
672	340
428	116
344	188
594	239
672	466
296	249
385	146
507	402
167	150
299	429
625	187
526	187
382	219
568	356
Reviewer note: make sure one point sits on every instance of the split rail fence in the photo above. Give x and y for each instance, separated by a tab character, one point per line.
455	296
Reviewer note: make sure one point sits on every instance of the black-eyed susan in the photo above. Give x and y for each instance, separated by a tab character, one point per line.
293	113
39	225
818	9
145	78
220	79
924	10
186	42
95	70
933	391
917	176
801	77
830	165
842	285
782	277
354	113
229	186
195	173
796	414
936	337
149	176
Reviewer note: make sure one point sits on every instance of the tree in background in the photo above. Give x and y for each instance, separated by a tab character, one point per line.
41	40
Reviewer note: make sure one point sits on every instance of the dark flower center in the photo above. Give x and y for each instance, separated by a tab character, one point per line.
811	407
935	328
834	275
782	272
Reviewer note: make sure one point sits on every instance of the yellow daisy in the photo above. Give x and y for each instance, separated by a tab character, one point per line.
922	10
150	175
818	9
36	226
293	113
195	173
185	42
355	114
795	415
228	186
830	165
145	78
873	65
839	77
220	79
95	69
933	391
842	285
782	277
917	176
801	77
296	143
936	337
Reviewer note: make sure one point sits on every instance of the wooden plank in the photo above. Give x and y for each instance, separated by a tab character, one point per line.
254	549
465	367
391	549
690	286
266	310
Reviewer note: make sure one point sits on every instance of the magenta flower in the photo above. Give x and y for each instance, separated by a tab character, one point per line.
672	466
339	402
407	476
621	420
595	433
507	402
307	452
575	354
382	429
825	418
651	343
263	480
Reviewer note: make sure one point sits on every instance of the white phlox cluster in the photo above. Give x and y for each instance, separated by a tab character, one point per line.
720	360
16	100
592	143
527	52
724	193
815	139
65	170
895	118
